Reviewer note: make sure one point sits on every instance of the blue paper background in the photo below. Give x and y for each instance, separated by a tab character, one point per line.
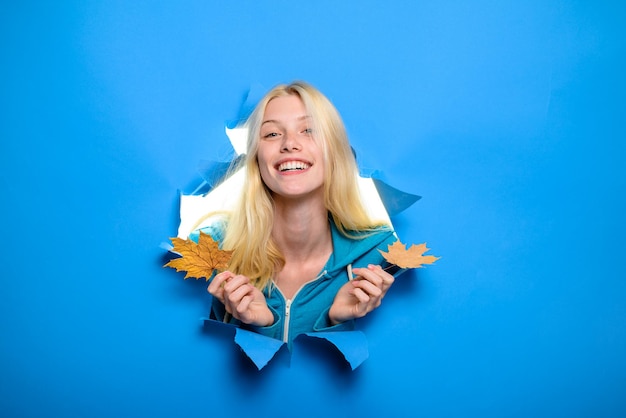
507	117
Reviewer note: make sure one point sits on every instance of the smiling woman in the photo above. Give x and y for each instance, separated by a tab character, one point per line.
304	249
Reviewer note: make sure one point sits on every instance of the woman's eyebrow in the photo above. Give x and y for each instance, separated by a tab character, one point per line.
299	118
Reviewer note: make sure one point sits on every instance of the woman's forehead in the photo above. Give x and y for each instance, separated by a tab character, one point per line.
285	108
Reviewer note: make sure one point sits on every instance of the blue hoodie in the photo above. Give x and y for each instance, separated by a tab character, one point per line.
308	310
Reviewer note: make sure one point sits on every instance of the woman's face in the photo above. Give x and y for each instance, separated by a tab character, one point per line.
290	161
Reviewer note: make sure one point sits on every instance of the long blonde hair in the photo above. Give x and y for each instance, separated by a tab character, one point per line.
249	226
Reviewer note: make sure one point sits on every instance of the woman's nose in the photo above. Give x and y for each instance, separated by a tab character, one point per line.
290	142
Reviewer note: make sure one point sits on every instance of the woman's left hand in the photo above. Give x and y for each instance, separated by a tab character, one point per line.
360	296
241	299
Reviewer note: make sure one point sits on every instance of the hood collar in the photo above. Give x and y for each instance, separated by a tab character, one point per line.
346	250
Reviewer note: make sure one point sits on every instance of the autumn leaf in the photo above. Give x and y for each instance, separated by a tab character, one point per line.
199	260
411	258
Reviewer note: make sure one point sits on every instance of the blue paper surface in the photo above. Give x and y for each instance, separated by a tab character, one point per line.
352	344
259	348
508	116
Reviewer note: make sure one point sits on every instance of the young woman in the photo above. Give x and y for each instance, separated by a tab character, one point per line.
305	252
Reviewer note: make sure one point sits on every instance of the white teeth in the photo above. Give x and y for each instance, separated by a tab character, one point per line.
293	165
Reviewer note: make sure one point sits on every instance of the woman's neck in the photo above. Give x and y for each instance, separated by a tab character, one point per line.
301	229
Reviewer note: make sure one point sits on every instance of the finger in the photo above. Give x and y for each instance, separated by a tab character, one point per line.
235	297
370	275
244	304
386	279
214	284
235	282
361	308
233	290
367	303
362	296
219	295
217	283
368	287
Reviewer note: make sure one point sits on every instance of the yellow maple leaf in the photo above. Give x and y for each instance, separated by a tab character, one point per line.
201	259
411	258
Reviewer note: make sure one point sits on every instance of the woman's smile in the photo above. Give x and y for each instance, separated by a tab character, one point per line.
292	166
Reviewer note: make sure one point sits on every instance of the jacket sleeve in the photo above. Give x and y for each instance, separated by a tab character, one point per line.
272	331
323	324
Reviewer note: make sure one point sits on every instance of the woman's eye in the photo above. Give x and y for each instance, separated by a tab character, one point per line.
270	135
307	131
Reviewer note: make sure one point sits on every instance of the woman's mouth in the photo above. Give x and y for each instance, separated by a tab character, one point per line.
293	166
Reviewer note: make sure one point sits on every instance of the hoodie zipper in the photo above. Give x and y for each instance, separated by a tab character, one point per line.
286	322
288	302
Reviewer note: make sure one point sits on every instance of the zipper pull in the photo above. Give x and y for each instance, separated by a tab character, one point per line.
286	321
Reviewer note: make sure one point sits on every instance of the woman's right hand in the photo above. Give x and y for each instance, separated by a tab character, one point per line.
241	299
360	296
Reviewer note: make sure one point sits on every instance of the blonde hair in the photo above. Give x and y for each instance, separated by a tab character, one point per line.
249	226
